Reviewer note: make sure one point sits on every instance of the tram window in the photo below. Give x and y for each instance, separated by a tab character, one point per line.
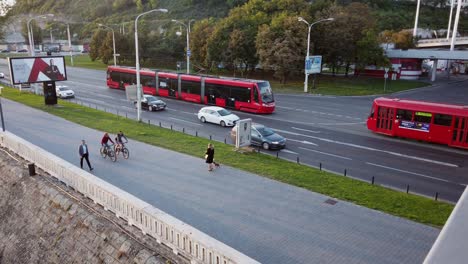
442	120
371	115
423	117
406	115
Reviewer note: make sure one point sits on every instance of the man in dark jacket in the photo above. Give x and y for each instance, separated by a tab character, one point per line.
84	154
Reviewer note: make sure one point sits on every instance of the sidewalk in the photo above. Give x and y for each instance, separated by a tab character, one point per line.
264	219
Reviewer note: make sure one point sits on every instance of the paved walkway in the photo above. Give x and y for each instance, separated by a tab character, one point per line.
269	221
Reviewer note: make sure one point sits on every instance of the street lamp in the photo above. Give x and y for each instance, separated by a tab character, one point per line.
138	60
300	19
113	42
30	32
187	26
69	44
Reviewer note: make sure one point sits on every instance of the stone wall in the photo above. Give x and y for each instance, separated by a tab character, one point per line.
43	221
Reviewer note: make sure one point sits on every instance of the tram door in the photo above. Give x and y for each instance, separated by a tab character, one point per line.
385	117
460	132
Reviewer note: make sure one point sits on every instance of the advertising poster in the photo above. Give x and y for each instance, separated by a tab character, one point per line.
37	69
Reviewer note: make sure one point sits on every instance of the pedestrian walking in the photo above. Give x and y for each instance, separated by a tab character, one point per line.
84	154
209	156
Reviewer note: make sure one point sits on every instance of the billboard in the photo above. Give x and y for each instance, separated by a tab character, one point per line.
243	130
313	64
37	69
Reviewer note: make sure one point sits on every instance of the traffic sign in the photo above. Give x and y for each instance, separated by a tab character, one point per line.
386	70
189	53
386	75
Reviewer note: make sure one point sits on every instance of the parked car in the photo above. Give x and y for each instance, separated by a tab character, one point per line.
2	75
263	136
22	50
64	92
152	103
4	51
217	115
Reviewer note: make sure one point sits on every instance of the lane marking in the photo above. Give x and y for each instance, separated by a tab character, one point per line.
302	141
409	172
181	120
289	151
373	149
306	130
316	112
325	153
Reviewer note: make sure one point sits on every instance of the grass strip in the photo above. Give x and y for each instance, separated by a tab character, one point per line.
417	208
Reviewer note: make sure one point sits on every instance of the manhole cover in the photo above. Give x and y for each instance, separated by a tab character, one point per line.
330	201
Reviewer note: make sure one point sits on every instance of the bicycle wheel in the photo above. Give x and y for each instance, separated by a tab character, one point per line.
112	155
125	153
103	153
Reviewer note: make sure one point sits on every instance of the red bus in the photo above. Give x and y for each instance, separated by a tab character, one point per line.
241	94
432	122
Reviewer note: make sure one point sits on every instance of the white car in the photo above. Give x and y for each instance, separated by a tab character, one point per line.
217	115
64	92
2	75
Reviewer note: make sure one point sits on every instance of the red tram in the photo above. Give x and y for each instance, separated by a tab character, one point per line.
432	122
246	95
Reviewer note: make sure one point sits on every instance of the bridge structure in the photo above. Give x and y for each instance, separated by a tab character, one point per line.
441	42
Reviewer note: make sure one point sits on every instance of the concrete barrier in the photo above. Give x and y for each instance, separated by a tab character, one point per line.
179	236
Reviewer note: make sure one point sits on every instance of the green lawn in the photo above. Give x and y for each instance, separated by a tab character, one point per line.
340	85
84	61
409	206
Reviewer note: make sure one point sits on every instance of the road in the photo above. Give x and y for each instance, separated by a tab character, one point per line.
264	219
322	130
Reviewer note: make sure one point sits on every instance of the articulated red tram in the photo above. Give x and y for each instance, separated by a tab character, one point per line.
432	122
241	94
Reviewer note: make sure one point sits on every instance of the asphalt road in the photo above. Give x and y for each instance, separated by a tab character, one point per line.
322	130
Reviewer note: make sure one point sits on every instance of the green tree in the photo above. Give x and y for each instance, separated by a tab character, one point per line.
96	44
280	46
369	52
199	41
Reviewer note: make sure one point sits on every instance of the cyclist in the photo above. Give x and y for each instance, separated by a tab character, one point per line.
120	137
106	139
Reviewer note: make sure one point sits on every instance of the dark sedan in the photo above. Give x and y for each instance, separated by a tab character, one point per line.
152	103
263	136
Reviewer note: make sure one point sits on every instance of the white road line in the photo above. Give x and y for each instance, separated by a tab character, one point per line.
181	120
183	112
409	172
289	151
306	130
284	107
325	153
302	141
372	149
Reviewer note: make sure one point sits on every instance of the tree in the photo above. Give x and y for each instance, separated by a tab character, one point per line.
106	51
280	46
369	52
403	40
96	43
199	41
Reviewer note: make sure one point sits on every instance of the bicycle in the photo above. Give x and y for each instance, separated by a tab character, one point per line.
108	151
123	149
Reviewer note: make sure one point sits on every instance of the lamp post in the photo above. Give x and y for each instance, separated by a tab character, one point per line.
300	19
113	42
138	60
187	27
69	44
30	32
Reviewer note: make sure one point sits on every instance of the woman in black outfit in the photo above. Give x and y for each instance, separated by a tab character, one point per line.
209	156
